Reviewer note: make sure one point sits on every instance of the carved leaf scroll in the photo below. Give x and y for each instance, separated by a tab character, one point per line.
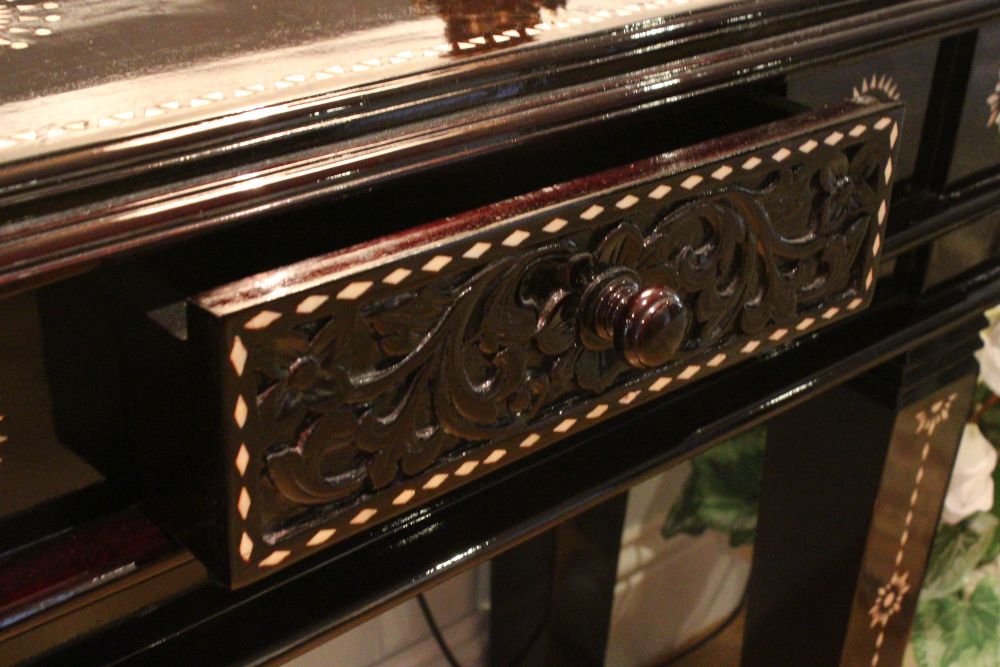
377	391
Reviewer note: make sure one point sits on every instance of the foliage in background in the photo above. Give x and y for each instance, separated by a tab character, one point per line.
958	614
723	491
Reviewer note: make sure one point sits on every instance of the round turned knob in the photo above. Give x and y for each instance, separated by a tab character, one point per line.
645	324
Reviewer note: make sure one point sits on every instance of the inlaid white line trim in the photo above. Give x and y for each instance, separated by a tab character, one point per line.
275	558
354	290
436	263
495	456
722	172
691	182
246	546
564	425
659	192
238	355
629	397
262	320
242	459
597	411
660	384
405	496
321	536
363	516
516	238
626	202
555	225
833	138
311	303
240	412
397	276
435	481
689	372
530	441
466	468
243	504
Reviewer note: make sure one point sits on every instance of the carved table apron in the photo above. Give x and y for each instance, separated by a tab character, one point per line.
355	387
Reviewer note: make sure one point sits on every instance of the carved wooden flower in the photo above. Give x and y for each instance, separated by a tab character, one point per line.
300	370
847	190
308	422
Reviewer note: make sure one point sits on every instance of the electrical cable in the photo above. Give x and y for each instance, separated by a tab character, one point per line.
436	631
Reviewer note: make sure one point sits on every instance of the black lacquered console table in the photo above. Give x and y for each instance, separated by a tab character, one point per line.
310	306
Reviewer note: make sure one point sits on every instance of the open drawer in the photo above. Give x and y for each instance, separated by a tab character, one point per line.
287	411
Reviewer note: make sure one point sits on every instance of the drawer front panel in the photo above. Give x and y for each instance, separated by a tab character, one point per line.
358	386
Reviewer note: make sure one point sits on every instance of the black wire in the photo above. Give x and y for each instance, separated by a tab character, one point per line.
436	631
450	657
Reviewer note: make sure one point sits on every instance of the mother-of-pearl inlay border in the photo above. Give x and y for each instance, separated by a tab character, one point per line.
890	595
485	458
564	21
21	22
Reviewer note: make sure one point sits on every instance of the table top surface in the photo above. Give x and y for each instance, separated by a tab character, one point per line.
88	71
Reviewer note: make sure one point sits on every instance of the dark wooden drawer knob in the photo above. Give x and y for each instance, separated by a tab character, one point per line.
645	324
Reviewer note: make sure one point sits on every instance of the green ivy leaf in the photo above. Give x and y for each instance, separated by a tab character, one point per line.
723	491
956	552
956	630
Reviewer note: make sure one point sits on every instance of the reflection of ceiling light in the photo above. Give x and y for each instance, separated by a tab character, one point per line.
878	84
993	102
19	23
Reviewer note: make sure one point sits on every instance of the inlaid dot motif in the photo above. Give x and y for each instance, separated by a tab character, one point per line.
691	182
404	497
397	276
436	481
495	456
555	225
659	192
628	201
564	425
516	238
530	441
436	263
275	558
597	411
354	290
311	303
321	536
261	320
660	384
238	355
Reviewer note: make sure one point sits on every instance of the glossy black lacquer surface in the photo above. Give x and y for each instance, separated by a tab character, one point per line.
94	205
60	217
